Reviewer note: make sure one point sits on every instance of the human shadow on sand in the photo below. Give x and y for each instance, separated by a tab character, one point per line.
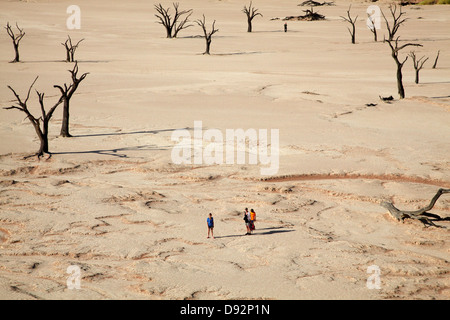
272	230
236	53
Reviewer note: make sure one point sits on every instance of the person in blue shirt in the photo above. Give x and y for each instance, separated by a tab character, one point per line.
210	223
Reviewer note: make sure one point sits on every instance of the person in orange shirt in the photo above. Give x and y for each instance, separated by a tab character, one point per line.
252	220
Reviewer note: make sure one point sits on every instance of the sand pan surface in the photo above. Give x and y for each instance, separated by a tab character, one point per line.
111	201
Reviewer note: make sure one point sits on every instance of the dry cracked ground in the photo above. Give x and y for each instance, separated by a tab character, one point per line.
138	232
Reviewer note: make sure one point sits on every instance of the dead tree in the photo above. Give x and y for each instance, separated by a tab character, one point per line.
40	124
418	64
310	15
70	49
251	13
207	35
395	49
398	20
436	60
311	3
66	94
352	22
173	25
15	39
372	27
422	214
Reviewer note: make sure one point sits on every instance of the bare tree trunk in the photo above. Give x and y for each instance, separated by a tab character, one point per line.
44	147
66	94
373	28
173	25
249	27
395	51
42	133
401	89
251	13
70	49
418	64
208	46
68	55
422	214
393	44
43	138
15	39
436	60
207	35
375	37
353	34
352	22
17	55
169	32
65	119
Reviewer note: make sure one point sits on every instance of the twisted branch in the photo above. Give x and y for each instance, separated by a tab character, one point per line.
422	214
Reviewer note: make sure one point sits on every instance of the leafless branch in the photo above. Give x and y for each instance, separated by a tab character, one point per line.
352	22
398	20
251	13
173	24
70	49
15	39
207	35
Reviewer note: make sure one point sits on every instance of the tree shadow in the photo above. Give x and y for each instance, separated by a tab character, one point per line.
64	61
198	36
432	218
201	36
443	97
128	133
236	53
434	82
119	152
116	152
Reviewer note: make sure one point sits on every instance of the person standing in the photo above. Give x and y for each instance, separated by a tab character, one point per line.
247	221
252	220
210	223
285	27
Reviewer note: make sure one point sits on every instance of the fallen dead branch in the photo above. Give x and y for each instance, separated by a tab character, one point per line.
311	3
422	215
310	15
